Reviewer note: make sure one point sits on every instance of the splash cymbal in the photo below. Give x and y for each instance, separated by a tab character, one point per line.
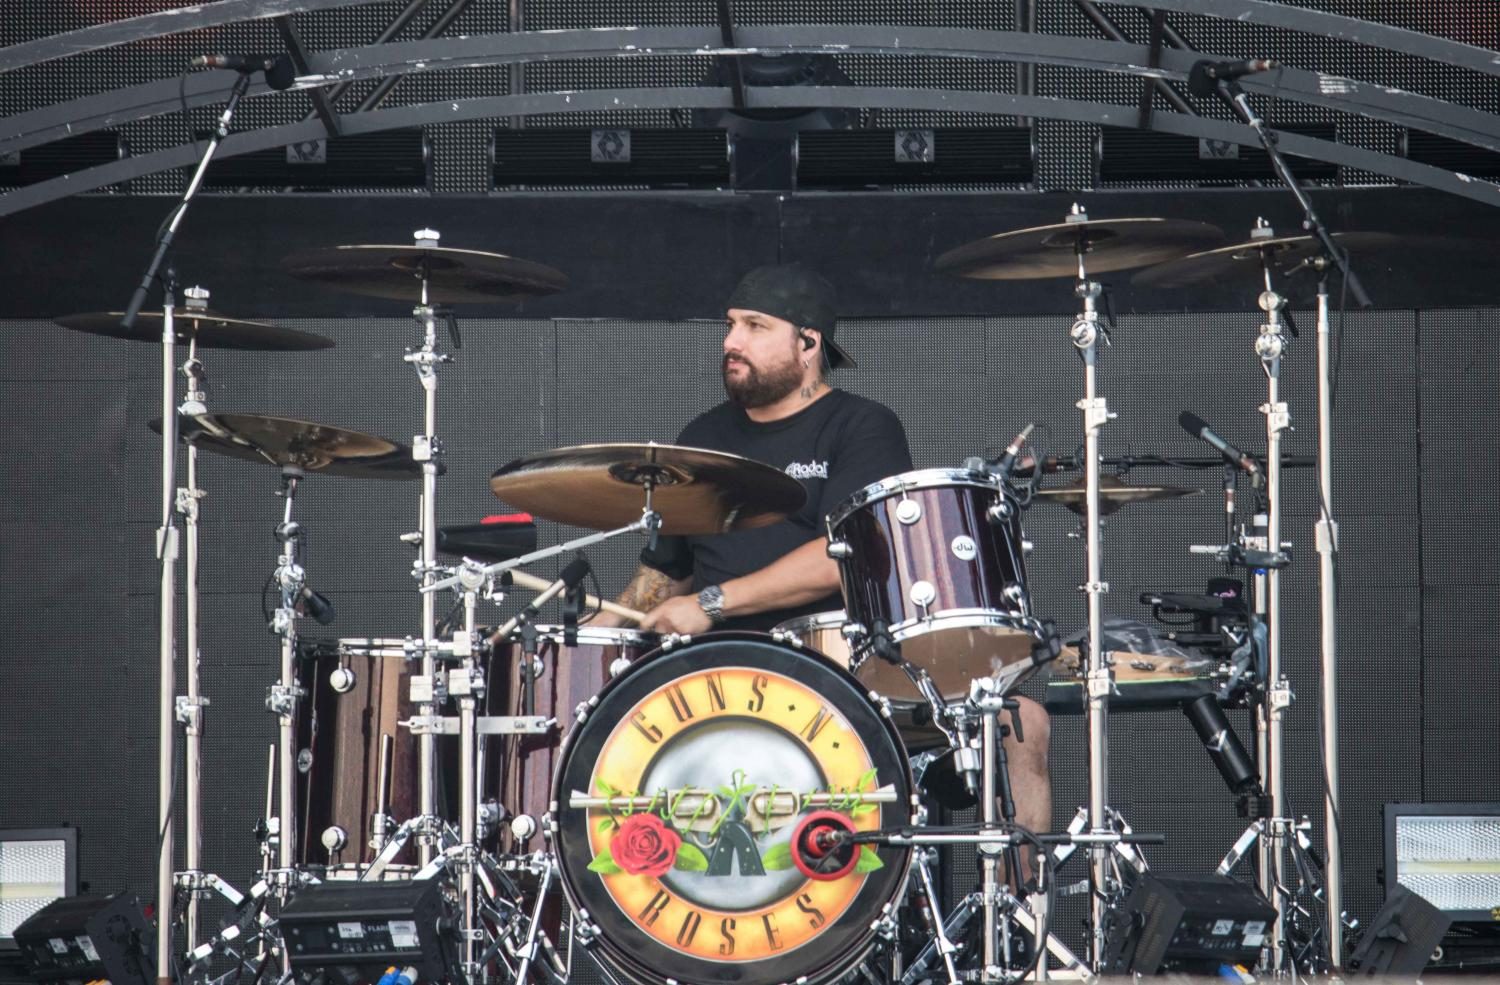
1113	494
453	275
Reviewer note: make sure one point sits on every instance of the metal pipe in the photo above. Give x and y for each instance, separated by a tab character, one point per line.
1327	544
390	82
1112	31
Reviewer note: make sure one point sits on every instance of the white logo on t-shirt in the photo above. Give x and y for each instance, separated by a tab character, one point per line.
808	470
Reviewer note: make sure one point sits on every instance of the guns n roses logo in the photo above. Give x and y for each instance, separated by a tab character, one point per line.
683	813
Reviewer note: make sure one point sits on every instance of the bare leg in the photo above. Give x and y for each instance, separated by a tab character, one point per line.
1030	782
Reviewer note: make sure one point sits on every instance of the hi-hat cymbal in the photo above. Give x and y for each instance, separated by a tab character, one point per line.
696	491
1113	494
284	441
212	330
1052	251
1285	254
453	276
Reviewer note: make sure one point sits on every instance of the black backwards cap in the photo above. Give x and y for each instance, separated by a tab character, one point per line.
796	294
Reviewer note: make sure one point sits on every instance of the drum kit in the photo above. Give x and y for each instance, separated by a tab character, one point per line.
735	806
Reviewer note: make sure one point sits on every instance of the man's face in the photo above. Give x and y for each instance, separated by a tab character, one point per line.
762	361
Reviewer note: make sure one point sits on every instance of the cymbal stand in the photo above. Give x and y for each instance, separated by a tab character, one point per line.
427	448
166	553
193	882
286	694
1327	530
1098	676
1269	346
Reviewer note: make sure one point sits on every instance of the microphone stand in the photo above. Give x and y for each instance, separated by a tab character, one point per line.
167	536
1326	530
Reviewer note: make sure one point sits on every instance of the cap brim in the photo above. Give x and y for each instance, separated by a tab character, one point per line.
837	357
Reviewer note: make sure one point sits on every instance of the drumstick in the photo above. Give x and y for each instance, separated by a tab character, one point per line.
526	580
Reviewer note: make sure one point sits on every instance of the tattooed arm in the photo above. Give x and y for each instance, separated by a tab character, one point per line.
648	589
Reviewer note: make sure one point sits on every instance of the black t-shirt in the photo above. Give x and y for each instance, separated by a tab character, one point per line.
836	446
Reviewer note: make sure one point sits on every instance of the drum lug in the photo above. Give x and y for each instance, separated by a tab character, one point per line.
886	926
673	640
584	929
908	511
618	666
852	631
1000	512
840	550
923	594
786	636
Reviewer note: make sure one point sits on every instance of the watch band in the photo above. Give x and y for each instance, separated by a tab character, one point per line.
711	601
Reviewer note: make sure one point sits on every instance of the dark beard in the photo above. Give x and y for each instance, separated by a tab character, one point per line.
757	390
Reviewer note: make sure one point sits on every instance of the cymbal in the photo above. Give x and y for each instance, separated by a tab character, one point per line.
1286	255
1052	251
284	441
393	271
212	329
1113	494
696	491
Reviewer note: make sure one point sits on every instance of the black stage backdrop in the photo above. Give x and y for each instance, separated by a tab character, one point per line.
620	357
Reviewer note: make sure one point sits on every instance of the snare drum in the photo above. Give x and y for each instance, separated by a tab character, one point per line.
934	559
518	769
677	797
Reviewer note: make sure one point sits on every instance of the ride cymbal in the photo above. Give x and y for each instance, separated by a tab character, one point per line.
453	276
286	442
211	329
1113	494
602	487
1052	251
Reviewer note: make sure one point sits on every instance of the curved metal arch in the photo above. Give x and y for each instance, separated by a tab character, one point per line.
851	97
1306	21
161	24
1344	95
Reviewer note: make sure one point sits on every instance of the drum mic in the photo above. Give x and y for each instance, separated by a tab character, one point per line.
1223	746
823	847
1198	428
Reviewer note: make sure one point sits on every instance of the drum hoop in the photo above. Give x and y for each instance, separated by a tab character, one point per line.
602	635
961	619
908	482
817	620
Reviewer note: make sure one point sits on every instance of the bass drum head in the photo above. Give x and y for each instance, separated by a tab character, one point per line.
676	801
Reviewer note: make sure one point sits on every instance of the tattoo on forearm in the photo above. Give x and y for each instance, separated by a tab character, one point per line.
648	589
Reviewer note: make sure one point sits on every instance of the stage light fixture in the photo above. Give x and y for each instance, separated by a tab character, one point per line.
1449	855
37	866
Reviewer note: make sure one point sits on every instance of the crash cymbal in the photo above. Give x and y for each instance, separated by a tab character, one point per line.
1113	494
1052	251
392	271
212	330
283	441
696	491
1285	253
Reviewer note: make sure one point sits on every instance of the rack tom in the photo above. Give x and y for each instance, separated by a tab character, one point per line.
933	560
519	768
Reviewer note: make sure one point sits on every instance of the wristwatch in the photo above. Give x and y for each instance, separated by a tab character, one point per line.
711	601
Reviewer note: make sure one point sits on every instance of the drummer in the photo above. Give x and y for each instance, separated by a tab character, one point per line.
779	352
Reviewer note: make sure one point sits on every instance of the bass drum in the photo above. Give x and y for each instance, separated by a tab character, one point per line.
677	797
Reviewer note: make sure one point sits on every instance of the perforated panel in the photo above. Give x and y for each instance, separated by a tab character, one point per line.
1065	149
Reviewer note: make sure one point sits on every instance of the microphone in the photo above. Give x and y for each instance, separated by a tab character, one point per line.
1195	425
1223	745
821	846
1013	449
315	604
237	63
280	73
1205	75
574	573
